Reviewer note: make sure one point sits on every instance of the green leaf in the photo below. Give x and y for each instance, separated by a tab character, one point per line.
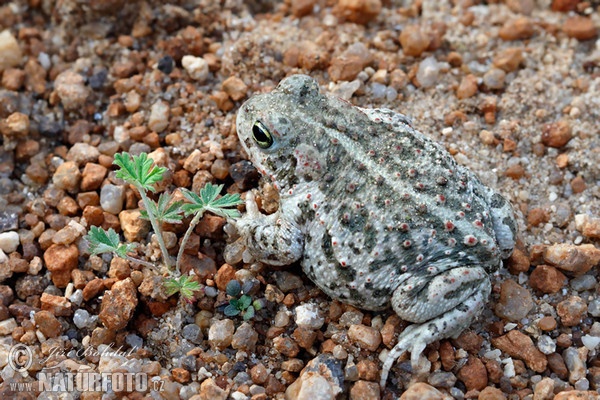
165	212
139	170
257	305
208	201
102	241
235	303
231	311
245	301
171	286
185	285
249	313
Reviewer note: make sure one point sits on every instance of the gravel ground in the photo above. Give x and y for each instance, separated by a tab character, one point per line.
511	88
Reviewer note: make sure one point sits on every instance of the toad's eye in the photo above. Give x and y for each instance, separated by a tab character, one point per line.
261	135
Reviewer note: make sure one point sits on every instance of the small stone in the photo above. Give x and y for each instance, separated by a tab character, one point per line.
10	52
594	308
286	346
575	362
546	344
509	59
48	324
520	346
358	11
322	378
547	279
13	79
111	198
70	88
571	311
93	288
517	29
209	390
564	5
193	333
518	262
556	134
473	374
259	374
491	393
67	176
118	304
135	228
515	301
494	79
580	28
422	391
196	67
57	305
60	261
225	274
544	389
414	40
235	88
83	153
244	338
364	390
181	375
467	87
557	365
82	318
309	317
345	68
7	326
578	186
583	282
574	259
547	323
220	333
515	171
440	379
304	337
300	8
428	73
365	336
159	116
9	241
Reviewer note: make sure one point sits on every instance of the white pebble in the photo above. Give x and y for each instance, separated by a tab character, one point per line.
591	342
196	67
9	241
159	116
307	315
10	52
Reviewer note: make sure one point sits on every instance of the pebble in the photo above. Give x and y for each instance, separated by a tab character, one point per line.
67	177
244	338
158	120
70	88
414	40
118	304
556	134
494	79
48	324
83	153
422	391
9	241
235	88
442	379
193	333
574	361
111	198
7	326
571	310
363	390
196	67
576	259
547	323
583	282
57	305
515	301
544	389
517	29
286	281
134	227
209	390
10	52
429	72
351	317
346	68
580	28
473	374
82	318
308	316
60	260
509	59
591	342
546	344
594	307
358	11
322	378
520	346
220	333
286	346
467	87
365	336
547	279
300	8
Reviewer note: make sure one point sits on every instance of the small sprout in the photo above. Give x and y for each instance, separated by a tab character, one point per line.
184	285
249	314
138	170
242	305
165	212
102	241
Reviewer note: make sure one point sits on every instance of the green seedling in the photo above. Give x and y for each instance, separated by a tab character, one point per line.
102	241
241	304
184	285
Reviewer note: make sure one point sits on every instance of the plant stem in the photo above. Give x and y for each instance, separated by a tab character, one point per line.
187	235
141	262
155	226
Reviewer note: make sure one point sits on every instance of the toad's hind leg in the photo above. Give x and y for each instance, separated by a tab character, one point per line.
442	307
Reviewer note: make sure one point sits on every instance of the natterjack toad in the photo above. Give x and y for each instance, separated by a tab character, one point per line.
377	213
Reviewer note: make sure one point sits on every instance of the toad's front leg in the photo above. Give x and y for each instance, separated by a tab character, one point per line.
441	306
270	239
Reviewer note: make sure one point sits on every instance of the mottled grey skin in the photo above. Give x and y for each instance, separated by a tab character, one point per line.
377	213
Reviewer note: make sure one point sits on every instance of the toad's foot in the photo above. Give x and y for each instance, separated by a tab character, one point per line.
454	298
